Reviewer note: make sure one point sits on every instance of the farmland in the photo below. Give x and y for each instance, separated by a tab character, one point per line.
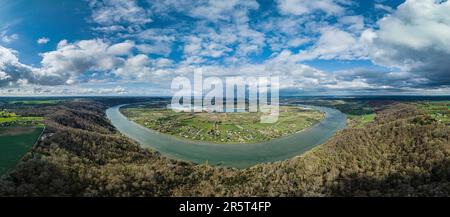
439	110
35	102
359	121
8	119
17	136
224	127
14	143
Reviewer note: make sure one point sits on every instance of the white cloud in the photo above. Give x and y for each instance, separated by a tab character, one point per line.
83	61
220	38
4	76
219	29
123	48
334	43
211	10
158	48
43	40
71	60
5	38
196	46
415	38
100	91
135	68
156	41
250	41
221	10
33	90
285	32
295	42
352	23
303	7
7	56
384	8
113	15
229	41
11	70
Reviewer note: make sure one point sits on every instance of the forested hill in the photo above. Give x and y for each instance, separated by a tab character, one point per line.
404	152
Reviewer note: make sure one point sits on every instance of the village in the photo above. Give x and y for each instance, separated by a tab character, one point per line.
224	127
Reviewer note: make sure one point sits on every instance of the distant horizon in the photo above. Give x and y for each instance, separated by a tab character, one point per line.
169	96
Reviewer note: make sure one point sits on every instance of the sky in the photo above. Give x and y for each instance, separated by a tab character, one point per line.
137	47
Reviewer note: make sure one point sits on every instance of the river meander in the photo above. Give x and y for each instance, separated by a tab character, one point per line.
232	155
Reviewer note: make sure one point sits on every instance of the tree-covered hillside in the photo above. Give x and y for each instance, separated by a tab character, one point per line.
403	152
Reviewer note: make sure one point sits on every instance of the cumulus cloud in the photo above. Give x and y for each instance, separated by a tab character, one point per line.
352	23
384	8
97	91
11	70
33	90
83	61
8	38
116	15
43	40
66	65
156	41
200	47
120	49
302	7
70	61
217	29
215	11
222	39
335	43
327	38
69	64
137	67
415	39
221	10
158	48
230	40
378	79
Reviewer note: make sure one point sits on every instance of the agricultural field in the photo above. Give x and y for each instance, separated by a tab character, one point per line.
224	127
439	110
359	112
17	135
358	121
347	106
8	119
14	143
35	102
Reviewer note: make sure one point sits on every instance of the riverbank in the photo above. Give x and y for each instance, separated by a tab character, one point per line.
223	128
240	156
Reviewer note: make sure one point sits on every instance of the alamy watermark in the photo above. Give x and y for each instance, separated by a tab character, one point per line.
228	94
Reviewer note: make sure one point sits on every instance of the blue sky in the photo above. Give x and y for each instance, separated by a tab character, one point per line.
137	47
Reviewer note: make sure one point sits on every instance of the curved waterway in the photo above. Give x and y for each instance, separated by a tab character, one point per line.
232	155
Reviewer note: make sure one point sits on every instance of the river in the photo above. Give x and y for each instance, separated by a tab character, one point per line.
231	155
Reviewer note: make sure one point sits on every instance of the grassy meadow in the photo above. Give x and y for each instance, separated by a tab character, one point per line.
17	135
35	102
14	143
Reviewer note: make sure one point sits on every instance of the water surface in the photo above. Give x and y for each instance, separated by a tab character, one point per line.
233	155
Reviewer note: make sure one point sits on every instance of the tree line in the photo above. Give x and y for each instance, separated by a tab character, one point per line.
404	152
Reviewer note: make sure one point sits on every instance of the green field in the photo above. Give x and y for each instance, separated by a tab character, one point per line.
359	121
14	143
439	110
17	136
35	102
8	119
20	120
224	127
